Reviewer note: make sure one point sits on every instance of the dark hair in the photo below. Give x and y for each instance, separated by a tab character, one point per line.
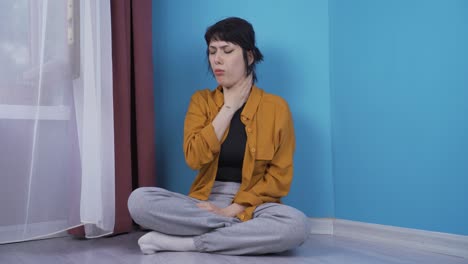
240	32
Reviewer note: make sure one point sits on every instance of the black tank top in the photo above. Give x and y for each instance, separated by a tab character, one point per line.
232	152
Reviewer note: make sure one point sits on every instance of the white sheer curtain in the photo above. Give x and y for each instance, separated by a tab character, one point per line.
56	118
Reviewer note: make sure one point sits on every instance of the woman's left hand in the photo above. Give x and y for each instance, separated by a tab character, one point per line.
230	211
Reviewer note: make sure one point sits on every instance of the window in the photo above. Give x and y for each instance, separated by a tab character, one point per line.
39	57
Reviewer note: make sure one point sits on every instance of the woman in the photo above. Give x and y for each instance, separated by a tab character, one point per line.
241	139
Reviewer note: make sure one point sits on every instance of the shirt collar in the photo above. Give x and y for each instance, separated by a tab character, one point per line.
253	101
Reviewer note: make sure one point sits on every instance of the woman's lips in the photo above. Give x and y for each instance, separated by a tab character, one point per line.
218	72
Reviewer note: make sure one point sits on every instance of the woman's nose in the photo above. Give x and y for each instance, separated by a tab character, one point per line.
218	58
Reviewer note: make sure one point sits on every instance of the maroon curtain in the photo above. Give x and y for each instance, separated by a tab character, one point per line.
133	104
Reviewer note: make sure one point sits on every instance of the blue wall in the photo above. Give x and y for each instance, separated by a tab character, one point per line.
394	73
294	41
399	82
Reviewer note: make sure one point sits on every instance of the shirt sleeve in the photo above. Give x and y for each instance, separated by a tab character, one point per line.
200	141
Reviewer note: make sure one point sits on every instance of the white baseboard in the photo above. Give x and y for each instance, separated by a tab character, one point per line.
442	243
321	226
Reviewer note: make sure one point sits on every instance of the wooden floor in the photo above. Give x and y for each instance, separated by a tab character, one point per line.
124	249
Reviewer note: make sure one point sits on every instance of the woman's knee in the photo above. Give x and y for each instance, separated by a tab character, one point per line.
302	227
139	201
295	226
136	201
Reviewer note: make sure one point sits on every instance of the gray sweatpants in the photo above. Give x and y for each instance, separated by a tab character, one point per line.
274	227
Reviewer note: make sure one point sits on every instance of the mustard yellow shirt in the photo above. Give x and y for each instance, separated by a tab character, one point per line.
268	160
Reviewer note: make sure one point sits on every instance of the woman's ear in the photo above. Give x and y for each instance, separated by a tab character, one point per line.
250	57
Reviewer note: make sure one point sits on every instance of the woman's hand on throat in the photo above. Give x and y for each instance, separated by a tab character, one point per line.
236	96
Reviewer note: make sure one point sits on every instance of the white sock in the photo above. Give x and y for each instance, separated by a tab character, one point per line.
153	242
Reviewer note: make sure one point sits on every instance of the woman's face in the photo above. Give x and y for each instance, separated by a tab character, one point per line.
227	63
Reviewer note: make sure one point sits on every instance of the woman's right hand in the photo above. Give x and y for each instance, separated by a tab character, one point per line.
236	96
